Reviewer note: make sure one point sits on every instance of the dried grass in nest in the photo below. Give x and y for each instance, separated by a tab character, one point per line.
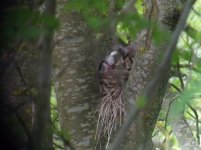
111	108
111	112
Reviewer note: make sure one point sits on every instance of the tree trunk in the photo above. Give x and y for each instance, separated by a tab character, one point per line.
19	92
41	116
145	64
77	54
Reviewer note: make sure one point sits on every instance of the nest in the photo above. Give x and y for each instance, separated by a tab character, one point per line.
111	108
111	112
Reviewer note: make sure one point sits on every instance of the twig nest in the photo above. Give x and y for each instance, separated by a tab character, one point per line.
113	73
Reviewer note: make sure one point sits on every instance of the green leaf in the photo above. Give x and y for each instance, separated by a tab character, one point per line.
159	35
186	55
50	21
100	6
139	6
76	5
193	33
95	22
30	33
119	4
175	58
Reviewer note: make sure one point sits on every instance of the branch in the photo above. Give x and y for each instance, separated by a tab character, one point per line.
58	146
180	76
176	88
168	111
61	136
196	12
189	66
41	114
151	90
197	123
18	117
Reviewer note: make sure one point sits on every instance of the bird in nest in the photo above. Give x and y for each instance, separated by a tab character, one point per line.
113	73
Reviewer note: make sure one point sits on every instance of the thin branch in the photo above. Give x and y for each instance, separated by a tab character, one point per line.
67	142
189	66
193	116
176	88
112	21
197	123
191	132
196	12
60	135
151	90
166	137
18	117
21	74
180	76
8	58
58	146
168	111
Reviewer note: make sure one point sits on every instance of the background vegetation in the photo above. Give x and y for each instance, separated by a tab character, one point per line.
27	29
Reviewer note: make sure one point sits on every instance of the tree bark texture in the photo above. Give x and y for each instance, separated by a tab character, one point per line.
19	93
18	88
41	116
77	54
166	13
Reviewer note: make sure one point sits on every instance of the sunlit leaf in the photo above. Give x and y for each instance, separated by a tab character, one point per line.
139	6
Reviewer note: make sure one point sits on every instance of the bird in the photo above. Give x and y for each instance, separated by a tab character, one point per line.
128	51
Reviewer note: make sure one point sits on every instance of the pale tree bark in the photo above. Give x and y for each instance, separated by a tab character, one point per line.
77	54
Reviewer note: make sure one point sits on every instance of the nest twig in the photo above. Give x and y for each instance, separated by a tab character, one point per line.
110	113
111	109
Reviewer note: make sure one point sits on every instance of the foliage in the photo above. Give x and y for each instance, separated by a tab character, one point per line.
24	24
60	137
185	99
